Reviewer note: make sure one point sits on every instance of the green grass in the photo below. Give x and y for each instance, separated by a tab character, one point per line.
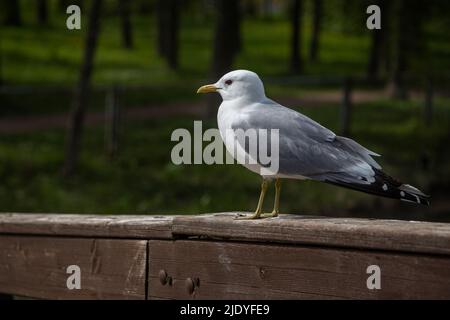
40	56
142	178
51	56
57	62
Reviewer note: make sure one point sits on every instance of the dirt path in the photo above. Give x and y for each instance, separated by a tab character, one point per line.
311	99
34	123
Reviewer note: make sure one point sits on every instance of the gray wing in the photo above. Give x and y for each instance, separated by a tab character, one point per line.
307	148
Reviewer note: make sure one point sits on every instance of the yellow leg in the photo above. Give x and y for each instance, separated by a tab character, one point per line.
276	204
257	214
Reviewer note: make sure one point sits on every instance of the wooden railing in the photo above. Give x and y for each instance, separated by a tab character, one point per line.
218	257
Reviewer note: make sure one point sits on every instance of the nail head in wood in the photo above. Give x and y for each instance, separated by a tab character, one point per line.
163	277
190	285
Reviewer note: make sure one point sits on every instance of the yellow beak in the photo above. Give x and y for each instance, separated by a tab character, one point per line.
207	88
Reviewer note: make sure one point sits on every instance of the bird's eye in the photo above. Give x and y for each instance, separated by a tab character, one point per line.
228	82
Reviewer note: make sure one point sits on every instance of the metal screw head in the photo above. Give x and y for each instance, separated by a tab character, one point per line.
189	285
163	277
262	272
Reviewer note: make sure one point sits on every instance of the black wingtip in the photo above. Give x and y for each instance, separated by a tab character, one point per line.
388	187
415	198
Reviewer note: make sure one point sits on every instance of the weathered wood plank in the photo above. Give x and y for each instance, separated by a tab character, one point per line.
36	267
228	270
409	236
111	226
396	235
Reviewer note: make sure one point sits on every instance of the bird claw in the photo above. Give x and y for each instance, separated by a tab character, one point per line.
273	214
256	216
253	216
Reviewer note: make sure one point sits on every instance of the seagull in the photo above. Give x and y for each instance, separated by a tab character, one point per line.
307	150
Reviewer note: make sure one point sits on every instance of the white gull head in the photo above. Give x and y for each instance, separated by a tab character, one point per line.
238	84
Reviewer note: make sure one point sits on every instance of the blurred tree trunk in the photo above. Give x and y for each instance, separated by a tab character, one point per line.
237	27
168	14
317	23
267	9
226	35
42	12
225	46
378	47
399	63
406	42
373	68
76	120
172	33
12	13
63	4
296	40
127	34
145	6
250	8
161	27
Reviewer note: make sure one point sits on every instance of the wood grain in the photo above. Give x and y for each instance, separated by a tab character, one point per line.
111	226
228	270
391	235
36	267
